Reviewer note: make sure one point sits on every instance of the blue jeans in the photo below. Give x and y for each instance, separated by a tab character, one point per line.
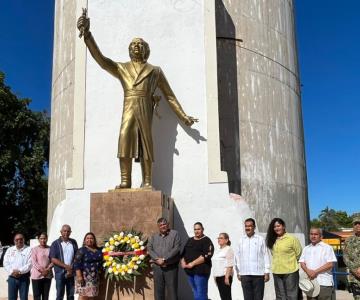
18	285
63	283
199	286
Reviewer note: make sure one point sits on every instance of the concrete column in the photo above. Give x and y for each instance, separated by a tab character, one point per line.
260	109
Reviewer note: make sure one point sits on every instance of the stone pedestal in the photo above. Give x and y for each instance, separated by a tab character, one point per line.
126	209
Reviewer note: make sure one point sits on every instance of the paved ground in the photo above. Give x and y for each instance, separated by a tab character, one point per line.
340	295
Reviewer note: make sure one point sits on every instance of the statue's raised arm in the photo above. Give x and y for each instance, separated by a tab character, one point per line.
106	63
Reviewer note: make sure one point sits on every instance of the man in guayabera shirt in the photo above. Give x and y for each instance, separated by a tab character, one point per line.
164	250
17	263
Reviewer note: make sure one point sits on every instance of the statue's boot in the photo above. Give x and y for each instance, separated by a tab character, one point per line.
146	170
125	171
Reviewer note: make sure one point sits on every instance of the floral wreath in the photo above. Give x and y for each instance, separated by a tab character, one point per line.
125	255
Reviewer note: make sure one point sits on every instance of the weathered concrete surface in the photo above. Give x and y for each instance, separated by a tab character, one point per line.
62	102
259	38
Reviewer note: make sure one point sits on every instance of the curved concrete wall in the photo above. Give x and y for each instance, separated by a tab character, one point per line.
61	156
260	37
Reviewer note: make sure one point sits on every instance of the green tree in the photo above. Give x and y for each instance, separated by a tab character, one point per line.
332	220
24	152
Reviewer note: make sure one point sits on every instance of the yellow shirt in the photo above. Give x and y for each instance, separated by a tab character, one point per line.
286	253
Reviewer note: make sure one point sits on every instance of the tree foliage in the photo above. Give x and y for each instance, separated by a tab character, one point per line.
333	220
24	152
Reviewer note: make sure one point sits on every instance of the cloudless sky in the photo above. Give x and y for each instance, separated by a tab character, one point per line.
328	33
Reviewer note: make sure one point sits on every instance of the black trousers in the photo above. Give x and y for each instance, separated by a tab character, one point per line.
166	281
224	289
41	288
253	286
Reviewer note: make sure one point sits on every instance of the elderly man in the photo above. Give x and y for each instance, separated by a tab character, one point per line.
252	262
62	252
17	263
352	258
164	250
317	260
139	80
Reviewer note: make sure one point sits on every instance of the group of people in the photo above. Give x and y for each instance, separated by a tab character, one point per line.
76	269
295	270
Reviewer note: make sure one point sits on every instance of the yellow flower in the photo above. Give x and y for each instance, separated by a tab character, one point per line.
133	241
136	246
108	263
112	242
114	269
126	239
106	257
135	258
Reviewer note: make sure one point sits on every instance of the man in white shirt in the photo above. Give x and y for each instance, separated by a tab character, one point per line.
317	260
252	262
17	263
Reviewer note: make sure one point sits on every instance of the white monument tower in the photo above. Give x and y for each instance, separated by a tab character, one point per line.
233	65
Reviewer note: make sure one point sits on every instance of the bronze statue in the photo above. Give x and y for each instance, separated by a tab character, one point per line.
139	80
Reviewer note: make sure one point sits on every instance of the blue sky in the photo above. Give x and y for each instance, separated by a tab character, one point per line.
328	33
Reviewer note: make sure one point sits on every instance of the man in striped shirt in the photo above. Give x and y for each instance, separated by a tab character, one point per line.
252	262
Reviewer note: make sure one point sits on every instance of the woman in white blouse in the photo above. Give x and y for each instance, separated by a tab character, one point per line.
223	262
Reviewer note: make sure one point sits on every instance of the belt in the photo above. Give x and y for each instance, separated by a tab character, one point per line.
136	93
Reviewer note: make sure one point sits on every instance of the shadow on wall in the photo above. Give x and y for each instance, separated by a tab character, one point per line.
184	291
228	97
165	129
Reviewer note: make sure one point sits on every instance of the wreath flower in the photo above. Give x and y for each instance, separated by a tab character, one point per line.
124	255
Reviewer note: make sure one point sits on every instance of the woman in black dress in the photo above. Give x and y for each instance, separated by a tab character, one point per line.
196	261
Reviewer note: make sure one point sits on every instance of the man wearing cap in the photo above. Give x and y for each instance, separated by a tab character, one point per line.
317	259
164	250
352	258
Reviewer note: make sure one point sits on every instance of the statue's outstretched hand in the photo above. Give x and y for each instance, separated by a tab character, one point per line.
190	120
83	23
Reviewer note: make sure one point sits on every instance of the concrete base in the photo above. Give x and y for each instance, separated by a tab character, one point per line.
125	209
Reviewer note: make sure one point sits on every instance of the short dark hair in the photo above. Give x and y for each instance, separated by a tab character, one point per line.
200	224
250	220
162	220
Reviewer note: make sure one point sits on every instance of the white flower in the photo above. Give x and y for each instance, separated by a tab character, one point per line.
142	248
110	258
111	239
112	247
116	272
129	235
117	243
128	242
141	243
116	236
104	265
136	237
107	244
118	266
142	256
103	250
136	267
122	273
113	264
138	262
110	270
121	234
129	271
